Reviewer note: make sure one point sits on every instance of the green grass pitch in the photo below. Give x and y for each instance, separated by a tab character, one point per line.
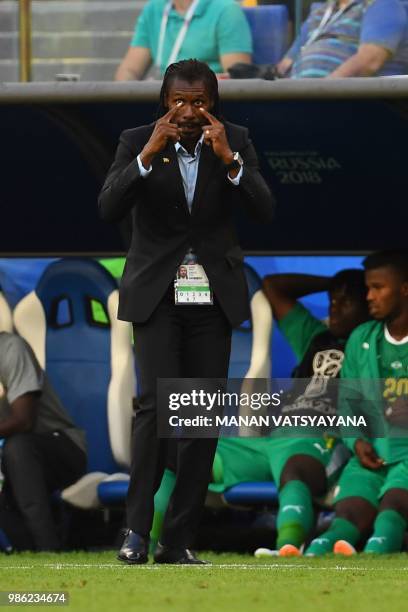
236	583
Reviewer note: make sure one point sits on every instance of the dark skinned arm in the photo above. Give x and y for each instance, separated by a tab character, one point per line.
283	290
22	417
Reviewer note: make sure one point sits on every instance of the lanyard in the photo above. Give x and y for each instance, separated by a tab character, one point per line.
181	35
329	17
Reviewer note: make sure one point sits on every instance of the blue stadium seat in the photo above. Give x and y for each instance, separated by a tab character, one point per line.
266	493
269	27
70	322
113	493
252	494
243	494
405	4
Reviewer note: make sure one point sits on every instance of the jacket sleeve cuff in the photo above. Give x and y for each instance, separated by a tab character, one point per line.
142	169
235	181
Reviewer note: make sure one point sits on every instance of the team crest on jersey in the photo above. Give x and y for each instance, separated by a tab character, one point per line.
396	365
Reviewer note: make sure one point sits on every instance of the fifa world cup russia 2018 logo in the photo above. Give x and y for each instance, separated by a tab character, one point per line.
326	365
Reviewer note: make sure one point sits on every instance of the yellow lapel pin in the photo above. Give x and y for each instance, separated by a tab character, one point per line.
166	160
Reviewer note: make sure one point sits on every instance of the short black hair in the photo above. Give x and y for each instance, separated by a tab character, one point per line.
396	259
352	281
190	70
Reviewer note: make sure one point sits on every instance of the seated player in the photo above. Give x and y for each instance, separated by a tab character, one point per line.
297	465
43	451
374	484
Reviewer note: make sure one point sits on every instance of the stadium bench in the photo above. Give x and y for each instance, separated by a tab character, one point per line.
70	322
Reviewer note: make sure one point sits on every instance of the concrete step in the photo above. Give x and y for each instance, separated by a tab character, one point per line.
68	44
90	16
68	15
8	16
9	45
88	69
8	71
88	38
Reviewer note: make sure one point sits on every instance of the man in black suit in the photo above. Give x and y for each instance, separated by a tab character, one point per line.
181	179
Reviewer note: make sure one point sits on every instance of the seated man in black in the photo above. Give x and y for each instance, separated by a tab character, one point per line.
43	450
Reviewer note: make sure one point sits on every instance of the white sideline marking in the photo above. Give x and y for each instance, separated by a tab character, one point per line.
271	566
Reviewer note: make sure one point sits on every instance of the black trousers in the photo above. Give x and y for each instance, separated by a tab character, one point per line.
176	342
34	466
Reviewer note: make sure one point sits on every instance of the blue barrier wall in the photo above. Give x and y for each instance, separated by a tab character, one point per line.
335	153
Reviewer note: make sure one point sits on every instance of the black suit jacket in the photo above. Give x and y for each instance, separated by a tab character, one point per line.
163	228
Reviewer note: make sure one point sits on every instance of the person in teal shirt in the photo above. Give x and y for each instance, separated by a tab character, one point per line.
212	31
373	487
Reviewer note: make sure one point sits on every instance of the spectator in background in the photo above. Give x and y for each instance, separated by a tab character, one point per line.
212	31
43	450
347	38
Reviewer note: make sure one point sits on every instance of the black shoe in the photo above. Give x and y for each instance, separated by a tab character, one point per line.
134	548
180	556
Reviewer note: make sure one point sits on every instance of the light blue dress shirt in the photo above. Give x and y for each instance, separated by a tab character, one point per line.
188	165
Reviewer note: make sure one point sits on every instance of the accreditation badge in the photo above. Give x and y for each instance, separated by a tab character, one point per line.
192	286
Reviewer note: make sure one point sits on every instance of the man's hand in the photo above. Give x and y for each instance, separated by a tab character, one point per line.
367	455
164	130
397	412
214	135
284	66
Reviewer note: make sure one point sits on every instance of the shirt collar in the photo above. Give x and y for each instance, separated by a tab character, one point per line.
179	148
199	10
392	340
